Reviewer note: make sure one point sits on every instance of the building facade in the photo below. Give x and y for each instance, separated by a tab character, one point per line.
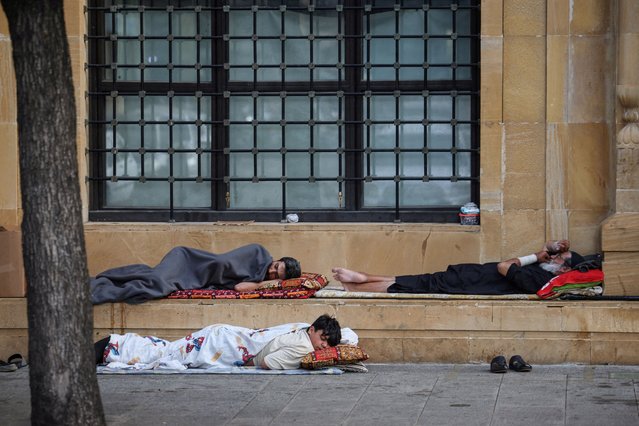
204	123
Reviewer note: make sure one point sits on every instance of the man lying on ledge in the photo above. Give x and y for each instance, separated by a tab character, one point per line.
525	274
185	268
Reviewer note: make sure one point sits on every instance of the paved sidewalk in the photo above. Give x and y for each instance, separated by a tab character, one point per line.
397	394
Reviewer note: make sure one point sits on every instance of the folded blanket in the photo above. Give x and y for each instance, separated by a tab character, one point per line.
573	281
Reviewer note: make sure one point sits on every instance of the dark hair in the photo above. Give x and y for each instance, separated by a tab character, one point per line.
330	328
292	268
575	259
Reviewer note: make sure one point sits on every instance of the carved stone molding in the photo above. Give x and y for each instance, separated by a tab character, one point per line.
628	96
628	136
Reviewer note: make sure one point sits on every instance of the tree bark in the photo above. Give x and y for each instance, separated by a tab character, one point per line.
64	388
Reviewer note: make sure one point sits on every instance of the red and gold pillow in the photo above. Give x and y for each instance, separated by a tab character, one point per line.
306	280
340	354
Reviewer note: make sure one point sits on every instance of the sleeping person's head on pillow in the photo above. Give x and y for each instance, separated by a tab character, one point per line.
286	351
284	269
325	332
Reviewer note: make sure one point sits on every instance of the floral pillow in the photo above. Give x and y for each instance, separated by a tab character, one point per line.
307	280
340	354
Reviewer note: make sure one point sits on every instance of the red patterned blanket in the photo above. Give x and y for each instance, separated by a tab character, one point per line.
296	288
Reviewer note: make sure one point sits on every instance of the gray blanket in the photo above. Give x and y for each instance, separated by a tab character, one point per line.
182	268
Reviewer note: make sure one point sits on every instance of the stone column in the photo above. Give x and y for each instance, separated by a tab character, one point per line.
620	232
9	175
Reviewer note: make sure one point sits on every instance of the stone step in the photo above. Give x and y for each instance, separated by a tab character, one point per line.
392	330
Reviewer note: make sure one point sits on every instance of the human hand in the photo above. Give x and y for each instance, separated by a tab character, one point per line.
557	246
542	256
564	245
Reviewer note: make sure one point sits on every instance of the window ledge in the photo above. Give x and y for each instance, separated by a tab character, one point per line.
231	226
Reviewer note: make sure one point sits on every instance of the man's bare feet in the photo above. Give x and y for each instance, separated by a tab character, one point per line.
344	275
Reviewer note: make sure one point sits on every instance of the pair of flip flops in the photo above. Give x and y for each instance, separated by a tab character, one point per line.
516	363
15	361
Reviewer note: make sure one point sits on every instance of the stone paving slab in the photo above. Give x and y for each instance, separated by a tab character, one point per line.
397	394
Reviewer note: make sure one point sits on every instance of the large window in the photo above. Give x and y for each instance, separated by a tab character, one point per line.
337	110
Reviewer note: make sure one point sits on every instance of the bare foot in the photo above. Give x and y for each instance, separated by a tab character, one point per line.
344	275
349	286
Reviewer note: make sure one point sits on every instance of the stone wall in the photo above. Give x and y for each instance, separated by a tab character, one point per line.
391	330
547	69
383	248
548	154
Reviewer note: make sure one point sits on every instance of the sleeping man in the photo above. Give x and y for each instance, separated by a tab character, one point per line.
223	346
525	274
184	268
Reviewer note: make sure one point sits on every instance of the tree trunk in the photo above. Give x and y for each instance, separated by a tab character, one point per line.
64	388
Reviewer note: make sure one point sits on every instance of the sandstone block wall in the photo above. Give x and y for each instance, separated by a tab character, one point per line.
548	121
390	330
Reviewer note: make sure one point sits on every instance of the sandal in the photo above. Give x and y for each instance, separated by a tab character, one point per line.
7	367
17	360
498	365
518	364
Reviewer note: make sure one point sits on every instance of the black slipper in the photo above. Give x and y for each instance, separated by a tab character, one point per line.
518	364
498	365
17	360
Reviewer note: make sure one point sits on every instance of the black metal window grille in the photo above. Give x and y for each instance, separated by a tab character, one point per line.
234	110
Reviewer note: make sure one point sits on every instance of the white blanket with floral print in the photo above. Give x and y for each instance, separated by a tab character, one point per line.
217	346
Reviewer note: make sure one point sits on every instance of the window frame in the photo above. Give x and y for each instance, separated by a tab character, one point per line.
353	86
